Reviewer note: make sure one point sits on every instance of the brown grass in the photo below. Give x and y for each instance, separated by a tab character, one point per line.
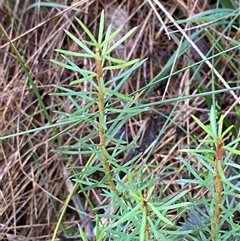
32	180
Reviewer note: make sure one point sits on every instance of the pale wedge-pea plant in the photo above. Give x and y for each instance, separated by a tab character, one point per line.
216	213
134	210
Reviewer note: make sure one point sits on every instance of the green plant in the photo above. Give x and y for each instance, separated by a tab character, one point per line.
129	206
221	180
136	208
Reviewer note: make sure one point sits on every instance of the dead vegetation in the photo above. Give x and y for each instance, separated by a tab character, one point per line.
33	178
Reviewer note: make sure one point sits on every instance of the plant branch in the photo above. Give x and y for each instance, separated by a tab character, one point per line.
101	123
218	189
